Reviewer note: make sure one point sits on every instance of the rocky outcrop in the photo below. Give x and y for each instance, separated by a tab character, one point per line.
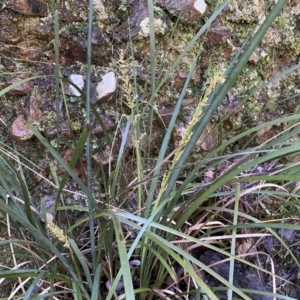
27	38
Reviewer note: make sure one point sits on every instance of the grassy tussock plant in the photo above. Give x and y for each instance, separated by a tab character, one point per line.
152	249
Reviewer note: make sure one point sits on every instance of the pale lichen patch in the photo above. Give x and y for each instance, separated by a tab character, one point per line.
159	26
100	10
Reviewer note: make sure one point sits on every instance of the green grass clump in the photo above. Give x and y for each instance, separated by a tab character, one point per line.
139	241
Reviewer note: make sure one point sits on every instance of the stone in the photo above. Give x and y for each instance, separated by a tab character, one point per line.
19	130
119	287
180	78
71	52
218	34
21	89
257	55
6	62
51	133
65	131
78	81
207	140
286	233
178	133
99	37
193	10
34	114
28	51
188	101
107	86
266	134
254	58
231	107
29	7
44	31
103	158
108	122
164	116
67	154
48	203
263	134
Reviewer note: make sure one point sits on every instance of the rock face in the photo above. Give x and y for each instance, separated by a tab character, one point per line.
120	45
